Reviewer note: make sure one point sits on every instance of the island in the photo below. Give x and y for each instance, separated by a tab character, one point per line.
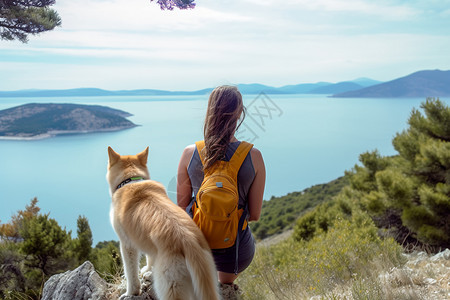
42	120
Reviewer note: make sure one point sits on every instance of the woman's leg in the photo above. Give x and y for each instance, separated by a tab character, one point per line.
226	278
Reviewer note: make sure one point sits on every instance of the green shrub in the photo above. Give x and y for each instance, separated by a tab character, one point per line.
294	269
280	213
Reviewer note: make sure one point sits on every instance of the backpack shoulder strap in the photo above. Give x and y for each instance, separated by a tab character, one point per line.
200	145
238	157
240	154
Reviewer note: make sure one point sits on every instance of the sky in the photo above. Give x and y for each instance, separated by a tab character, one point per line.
132	44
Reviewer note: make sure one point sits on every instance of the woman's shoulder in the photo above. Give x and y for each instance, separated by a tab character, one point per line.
190	148
256	157
187	153
255	152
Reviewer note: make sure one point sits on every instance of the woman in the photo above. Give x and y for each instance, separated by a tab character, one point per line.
224	112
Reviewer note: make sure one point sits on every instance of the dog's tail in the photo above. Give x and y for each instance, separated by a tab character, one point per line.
201	266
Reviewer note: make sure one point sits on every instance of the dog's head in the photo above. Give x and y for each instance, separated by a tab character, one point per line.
122	167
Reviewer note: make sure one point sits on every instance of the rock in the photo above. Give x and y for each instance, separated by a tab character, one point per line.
147	291
83	283
444	255
430	281
230	291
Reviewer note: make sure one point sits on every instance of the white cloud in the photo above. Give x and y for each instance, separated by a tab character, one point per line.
137	15
306	58
375	8
133	44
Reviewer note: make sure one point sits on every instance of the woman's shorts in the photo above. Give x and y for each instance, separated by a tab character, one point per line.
225	259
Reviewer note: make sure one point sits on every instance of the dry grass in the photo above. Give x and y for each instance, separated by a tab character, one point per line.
348	262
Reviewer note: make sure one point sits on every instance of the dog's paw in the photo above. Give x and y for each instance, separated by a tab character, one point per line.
146	269
129	297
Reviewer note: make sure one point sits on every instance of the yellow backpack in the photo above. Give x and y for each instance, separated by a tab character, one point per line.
215	209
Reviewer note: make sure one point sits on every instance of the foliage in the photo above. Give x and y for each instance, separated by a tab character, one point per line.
33	247
20	18
12	276
320	219
106	259
350	249
280	213
10	231
44	242
170	4
47	249
409	194
83	242
13	270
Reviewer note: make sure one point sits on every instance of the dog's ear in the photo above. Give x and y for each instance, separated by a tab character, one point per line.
113	156
143	156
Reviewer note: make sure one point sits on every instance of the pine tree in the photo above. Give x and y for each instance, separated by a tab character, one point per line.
46	247
424	150
170	4
18	18
410	193
83	243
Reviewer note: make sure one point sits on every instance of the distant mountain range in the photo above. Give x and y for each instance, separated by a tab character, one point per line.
89	92
435	83
42	120
255	88
428	83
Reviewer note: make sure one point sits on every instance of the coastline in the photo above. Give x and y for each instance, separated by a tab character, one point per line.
54	133
25	138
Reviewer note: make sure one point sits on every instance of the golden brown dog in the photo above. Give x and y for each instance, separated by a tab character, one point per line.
147	221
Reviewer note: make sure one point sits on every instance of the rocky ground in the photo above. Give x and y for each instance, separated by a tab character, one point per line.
84	283
423	276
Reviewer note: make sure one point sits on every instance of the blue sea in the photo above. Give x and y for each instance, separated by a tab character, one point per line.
305	140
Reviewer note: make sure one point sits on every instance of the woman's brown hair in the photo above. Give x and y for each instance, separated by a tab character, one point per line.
224	111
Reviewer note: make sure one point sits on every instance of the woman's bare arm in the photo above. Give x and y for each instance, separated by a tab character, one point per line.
256	192
184	189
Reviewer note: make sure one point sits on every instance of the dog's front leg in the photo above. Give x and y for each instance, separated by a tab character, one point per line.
130	257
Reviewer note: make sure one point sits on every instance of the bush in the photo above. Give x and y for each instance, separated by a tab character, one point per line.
280	213
349	250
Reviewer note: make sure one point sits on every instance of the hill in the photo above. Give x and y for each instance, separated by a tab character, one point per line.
337	88
435	83
253	88
256	88
95	92
281	213
43	120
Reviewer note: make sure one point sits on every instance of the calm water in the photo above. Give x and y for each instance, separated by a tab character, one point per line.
305	140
